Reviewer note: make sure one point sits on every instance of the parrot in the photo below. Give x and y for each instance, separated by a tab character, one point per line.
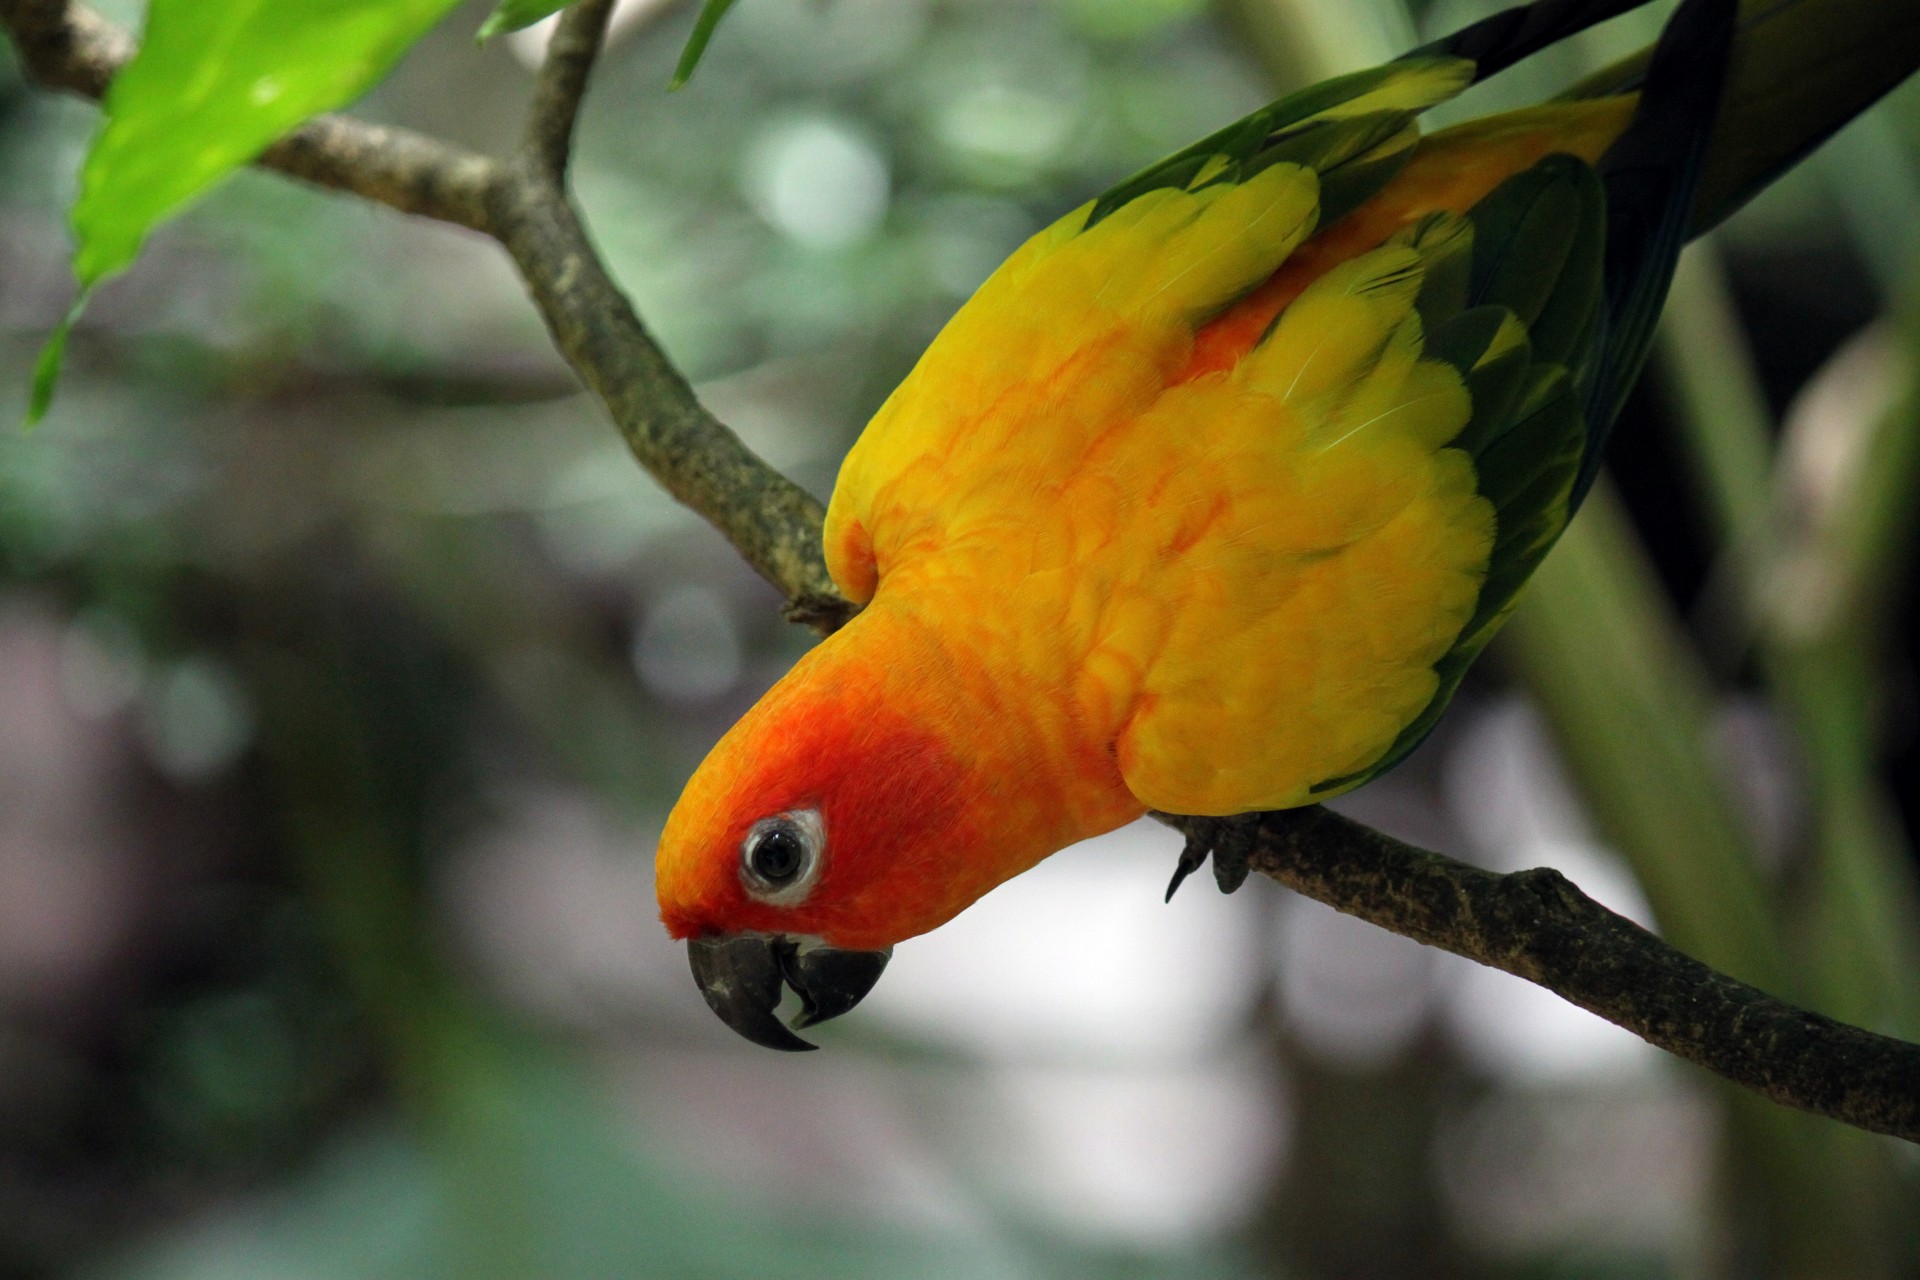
1202	504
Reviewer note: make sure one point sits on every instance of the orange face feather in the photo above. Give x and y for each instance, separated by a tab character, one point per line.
889	794
924	806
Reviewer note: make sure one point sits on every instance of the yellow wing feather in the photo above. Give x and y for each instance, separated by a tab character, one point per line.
1306	619
1273	556
1077	333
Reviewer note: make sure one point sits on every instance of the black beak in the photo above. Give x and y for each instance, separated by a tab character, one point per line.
740	976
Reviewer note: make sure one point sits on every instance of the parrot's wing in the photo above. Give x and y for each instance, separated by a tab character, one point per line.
1313	544
1355	131
1092	319
1538	305
1126	280
1537	460
1527	343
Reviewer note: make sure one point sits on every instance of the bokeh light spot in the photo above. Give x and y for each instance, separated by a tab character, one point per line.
818	181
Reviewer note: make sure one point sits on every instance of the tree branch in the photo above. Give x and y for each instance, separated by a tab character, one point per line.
1536	925
72	49
399	168
562	84
771	521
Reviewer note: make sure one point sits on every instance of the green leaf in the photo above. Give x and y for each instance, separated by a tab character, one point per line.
213	84
46	369
703	28
512	15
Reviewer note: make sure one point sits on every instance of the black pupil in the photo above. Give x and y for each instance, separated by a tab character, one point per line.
777	854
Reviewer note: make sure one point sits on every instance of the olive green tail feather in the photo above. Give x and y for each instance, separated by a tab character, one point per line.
1801	69
1497	42
1651	173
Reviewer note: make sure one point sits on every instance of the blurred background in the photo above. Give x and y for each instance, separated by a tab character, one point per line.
348	667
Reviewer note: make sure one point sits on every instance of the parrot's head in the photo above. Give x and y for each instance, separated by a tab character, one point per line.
836	818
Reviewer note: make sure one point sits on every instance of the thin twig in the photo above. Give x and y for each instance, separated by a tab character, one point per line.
399	168
771	521
1536	925
66	48
562	84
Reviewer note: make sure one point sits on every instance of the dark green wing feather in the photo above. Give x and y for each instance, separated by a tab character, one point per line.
1357	130
1566	271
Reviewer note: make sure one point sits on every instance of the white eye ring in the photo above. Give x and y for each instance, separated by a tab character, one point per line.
781	857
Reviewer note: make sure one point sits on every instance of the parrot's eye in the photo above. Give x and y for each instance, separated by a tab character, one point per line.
780	858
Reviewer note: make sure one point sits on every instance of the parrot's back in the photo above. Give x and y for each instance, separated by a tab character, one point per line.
1252	454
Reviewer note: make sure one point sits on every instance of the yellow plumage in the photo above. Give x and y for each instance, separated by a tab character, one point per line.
1271	557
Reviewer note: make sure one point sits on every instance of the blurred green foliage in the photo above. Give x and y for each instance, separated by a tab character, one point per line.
334	557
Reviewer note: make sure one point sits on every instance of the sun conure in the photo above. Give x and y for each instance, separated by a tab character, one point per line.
1203	503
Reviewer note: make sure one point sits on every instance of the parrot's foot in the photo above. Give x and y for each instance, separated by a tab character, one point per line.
1227	840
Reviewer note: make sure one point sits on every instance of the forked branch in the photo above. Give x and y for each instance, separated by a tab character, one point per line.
772	522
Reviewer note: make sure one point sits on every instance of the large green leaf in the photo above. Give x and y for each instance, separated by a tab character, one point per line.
214	83
512	15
